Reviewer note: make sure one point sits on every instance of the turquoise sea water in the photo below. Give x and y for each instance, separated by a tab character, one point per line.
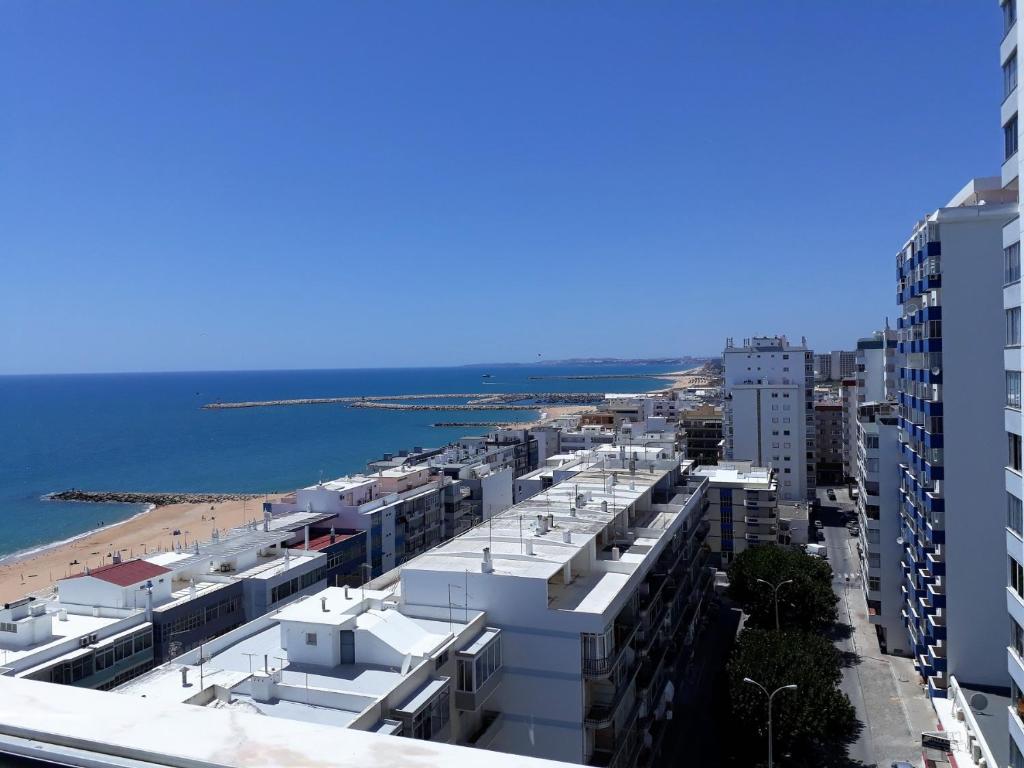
146	432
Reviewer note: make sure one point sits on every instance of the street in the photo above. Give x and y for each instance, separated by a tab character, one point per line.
890	703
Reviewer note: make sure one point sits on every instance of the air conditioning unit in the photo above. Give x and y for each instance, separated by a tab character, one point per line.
92	638
83	642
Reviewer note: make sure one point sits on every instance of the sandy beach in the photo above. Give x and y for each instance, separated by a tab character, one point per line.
152	531
147	532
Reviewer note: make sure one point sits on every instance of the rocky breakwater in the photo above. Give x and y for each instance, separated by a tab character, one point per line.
158	499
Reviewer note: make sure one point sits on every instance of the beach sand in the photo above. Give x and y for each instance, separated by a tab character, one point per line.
145	533
151	531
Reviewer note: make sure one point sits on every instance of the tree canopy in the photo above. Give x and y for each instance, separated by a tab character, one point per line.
810	724
807	603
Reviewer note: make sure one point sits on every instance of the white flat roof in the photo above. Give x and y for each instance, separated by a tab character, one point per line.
75	626
59	721
507	532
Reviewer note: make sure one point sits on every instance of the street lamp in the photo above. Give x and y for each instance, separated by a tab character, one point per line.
770	697
775	594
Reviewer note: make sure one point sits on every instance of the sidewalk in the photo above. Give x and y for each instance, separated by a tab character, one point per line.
890	701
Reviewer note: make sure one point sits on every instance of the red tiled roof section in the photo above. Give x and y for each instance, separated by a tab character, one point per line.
127	573
323	541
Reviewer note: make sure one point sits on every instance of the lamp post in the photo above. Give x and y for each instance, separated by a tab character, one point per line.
770	697
775	596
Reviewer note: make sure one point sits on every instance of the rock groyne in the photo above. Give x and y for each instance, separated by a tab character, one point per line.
159	499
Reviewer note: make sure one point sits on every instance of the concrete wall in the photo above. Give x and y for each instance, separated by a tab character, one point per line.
975	450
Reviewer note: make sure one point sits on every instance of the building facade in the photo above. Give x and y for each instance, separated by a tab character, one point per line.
878	485
702	427
768	411
834	366
951	439
1013	364
742	508
828	431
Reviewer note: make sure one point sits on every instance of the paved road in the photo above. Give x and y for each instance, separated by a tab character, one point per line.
890	705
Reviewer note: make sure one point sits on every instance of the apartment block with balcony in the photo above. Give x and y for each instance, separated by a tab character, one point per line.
1013	364
702	434
878	485
743	507
768	410
828	430
951	440
598	585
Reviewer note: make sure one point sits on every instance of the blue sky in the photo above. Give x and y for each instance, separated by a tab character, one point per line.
250	184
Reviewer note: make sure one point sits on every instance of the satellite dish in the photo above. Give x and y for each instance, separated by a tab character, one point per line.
978	702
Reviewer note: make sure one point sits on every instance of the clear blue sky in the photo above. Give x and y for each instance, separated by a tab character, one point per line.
347	184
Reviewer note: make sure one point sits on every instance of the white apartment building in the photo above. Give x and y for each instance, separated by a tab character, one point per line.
768	413
952	439
878	361
742	507
556	629
878	485
1010	51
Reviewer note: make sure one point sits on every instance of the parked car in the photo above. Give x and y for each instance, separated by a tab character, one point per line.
831	495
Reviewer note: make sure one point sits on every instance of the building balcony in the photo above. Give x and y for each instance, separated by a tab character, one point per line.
604	666
937	686
937	594
937	626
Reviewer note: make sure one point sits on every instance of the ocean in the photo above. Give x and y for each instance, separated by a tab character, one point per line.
147	432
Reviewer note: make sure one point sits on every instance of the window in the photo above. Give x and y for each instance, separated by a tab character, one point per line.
1017	637
1010	75
1013	327
874	583
1011	263
1014	452
311	638
1016	577
8	626
1013	389
1014	514
874	560
1010	138
1009	14
873	535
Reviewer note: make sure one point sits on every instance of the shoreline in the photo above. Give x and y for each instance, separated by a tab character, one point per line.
35	569
13	558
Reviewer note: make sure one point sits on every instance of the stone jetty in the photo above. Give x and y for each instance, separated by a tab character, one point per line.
494	401
157	498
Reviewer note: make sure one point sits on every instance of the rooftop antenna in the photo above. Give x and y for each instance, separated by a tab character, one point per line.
520	534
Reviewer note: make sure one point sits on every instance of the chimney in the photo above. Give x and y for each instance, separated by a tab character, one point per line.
266	518
487	566
542	525
567	537
184	677
529	548
616	554
604	506
551	522
333	534
346	591
323	603
191	589
305	537
115	558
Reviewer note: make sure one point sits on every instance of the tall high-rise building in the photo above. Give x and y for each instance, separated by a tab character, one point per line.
768	412
952	438
1013	364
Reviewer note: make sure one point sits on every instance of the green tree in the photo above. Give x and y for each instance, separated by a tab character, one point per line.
807	603
813	724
